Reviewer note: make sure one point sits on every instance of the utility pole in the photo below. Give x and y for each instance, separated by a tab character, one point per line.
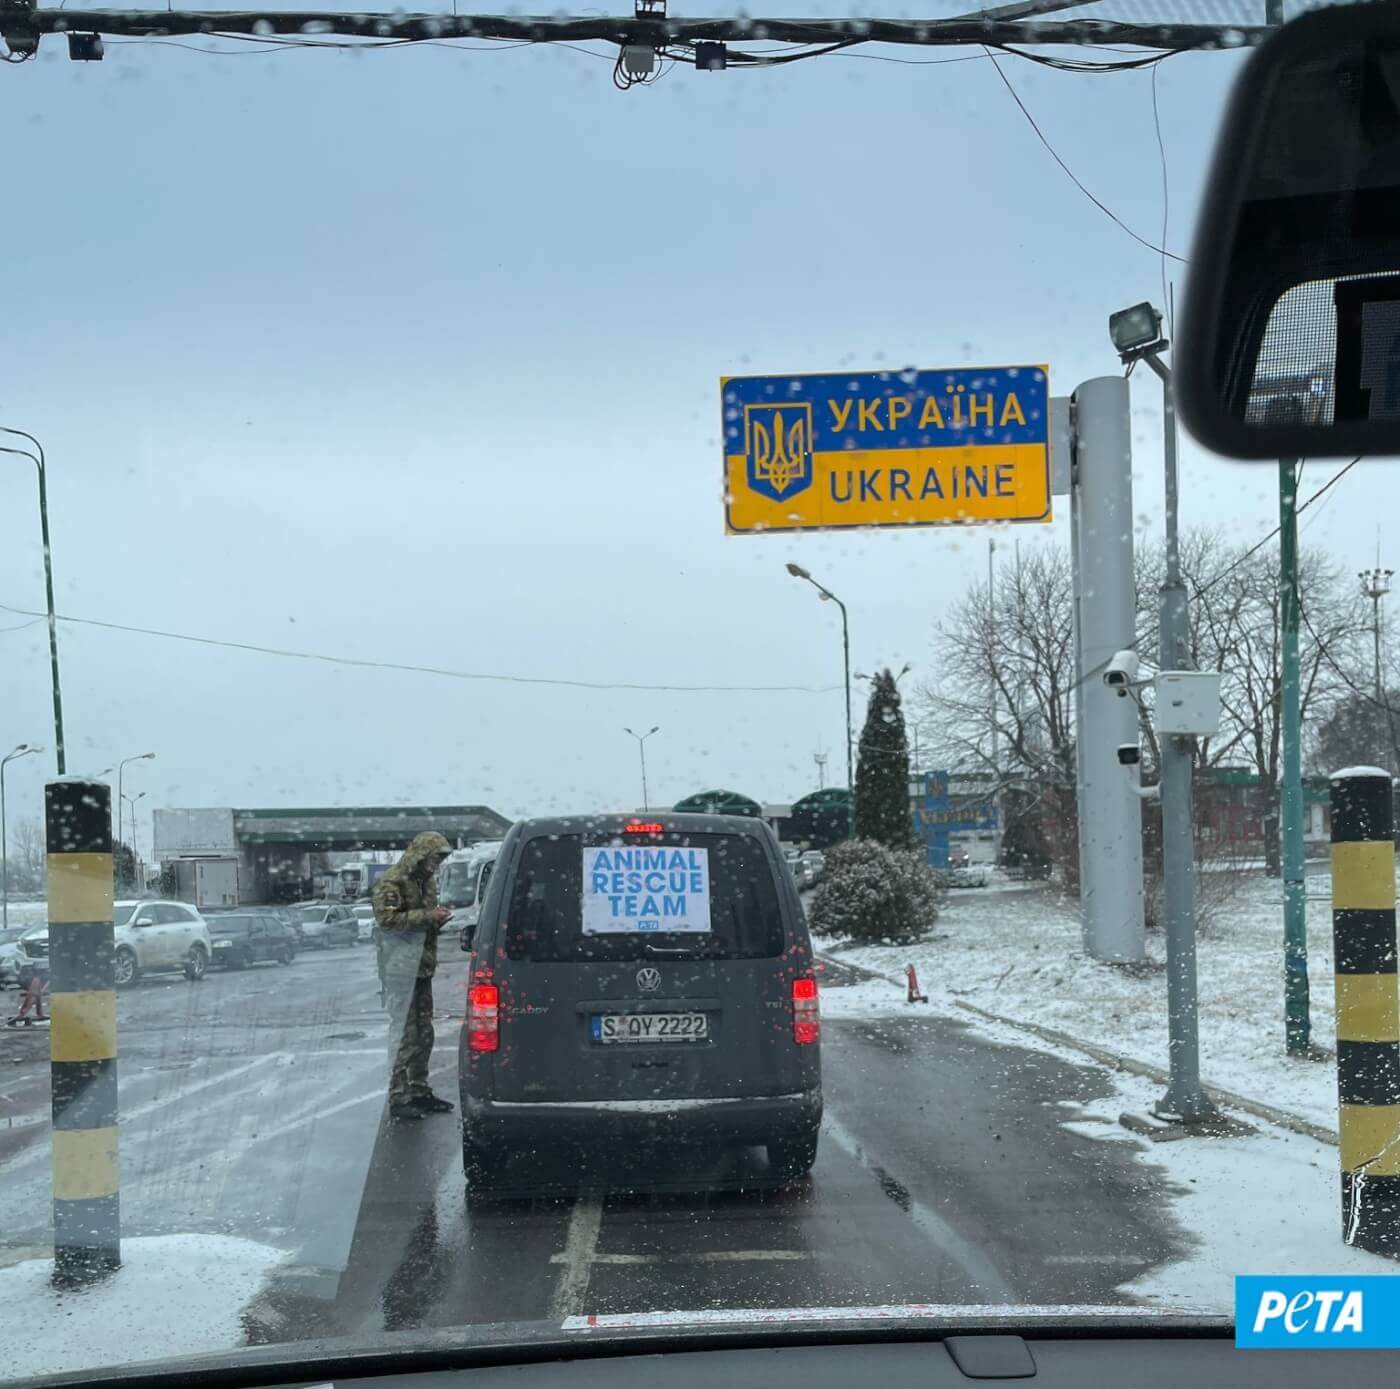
1110	814
1297	1023
1137	334
992	703
1375	584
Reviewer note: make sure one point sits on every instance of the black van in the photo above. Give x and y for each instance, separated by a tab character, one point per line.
638	979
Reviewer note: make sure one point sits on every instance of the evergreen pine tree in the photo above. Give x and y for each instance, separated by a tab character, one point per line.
882	771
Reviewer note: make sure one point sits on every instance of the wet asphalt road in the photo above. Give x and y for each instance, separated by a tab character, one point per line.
252	1105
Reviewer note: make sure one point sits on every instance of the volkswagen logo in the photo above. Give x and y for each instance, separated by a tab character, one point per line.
648	980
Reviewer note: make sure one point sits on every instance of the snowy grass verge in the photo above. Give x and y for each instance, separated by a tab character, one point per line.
1021	955
174	1295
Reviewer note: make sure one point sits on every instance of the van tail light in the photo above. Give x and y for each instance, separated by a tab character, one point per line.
806	1012
483	1017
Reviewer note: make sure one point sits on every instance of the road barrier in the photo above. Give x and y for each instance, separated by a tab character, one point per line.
83	1031
1368	1007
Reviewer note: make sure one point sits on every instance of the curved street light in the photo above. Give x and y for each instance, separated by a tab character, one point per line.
39	462
23	750
135	853
642	749
139	757
827	596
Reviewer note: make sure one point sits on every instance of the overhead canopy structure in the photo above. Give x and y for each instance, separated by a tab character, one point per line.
720	803
196	833
822	818
276	849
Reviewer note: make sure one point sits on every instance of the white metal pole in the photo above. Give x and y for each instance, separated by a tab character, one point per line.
1110	813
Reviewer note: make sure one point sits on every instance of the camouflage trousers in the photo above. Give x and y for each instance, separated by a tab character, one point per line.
410	1004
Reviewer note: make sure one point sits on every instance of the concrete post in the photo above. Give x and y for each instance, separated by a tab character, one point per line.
83	1033
1368	1008
1110	814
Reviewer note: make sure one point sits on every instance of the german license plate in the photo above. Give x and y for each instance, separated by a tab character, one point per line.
650	1027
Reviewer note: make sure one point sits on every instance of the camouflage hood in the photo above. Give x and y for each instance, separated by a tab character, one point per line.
424	853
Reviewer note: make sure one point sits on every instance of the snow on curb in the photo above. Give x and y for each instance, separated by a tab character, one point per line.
1268	1203
174	1295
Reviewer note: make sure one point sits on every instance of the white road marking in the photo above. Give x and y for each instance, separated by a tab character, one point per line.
980	1271
314	1115
713	1256
580	1253
40	1155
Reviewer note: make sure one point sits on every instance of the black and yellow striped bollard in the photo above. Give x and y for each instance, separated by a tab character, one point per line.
1368	1007
83	1033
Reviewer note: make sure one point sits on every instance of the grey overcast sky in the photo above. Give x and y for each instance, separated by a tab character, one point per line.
413	355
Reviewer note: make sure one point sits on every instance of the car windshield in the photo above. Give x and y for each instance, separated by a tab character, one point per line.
457	884
666	526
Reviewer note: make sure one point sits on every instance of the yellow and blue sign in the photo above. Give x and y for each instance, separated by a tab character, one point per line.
886	448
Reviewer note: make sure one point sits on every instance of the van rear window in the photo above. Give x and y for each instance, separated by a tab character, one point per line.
545	911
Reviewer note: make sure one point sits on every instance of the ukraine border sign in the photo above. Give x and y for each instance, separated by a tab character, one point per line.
886	448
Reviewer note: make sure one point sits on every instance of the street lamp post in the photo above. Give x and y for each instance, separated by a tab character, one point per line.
40	464
1137	334
642	749
827	596
23	750
140	757
135	853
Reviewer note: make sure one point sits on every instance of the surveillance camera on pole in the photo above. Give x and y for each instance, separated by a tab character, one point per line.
1122	673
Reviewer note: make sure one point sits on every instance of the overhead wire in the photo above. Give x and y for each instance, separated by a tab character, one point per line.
1149	633
364	662
1325	651
1070	174
1166	203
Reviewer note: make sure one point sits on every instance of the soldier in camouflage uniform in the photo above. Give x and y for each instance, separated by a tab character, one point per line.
408	916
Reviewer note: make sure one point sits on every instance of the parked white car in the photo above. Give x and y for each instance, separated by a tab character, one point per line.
364	922
150	936
12	956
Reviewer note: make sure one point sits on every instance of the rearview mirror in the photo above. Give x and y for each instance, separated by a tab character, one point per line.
1290	341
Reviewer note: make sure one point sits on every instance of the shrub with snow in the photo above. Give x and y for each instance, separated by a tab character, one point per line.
873	893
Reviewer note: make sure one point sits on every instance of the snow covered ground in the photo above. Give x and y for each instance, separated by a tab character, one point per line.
174	1295
1020	955
1264	1203
28	913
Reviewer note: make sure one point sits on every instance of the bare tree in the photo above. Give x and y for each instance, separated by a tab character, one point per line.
27	854
1005	664
1005	670
1235	596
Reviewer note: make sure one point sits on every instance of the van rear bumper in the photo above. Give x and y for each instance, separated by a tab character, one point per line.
496	1124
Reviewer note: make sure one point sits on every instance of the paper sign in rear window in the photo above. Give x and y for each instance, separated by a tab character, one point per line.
645	888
